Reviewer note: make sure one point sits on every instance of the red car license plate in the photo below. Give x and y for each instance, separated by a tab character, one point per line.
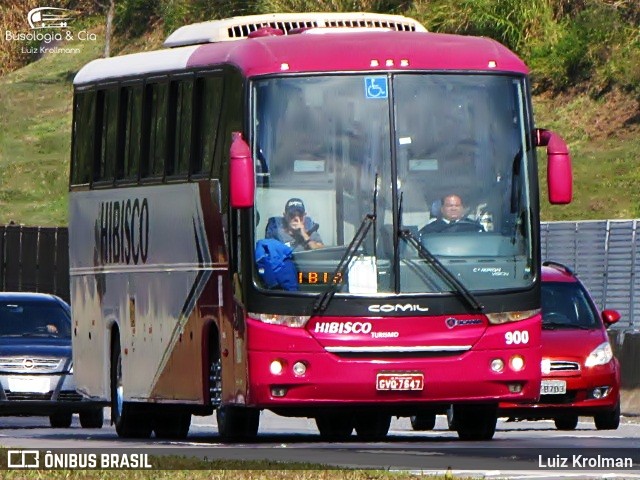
399	381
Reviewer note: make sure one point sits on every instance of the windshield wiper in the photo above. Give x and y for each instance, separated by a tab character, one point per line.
444	273
322	302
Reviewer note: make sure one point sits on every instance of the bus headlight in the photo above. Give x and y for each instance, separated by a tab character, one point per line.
600	356
506	317
296	321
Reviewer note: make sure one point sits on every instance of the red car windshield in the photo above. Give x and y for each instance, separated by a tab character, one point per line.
566	305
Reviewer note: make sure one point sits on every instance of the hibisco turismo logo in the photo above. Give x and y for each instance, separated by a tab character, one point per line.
49	26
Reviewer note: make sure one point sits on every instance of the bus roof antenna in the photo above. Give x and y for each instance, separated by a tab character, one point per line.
236	28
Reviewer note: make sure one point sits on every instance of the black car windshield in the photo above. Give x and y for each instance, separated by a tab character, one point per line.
566	305
33	319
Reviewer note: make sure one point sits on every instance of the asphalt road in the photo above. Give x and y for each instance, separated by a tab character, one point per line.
518	450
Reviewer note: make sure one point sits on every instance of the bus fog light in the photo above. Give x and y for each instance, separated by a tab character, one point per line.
299	369
278	391
276	367
516	363
497	365
515	387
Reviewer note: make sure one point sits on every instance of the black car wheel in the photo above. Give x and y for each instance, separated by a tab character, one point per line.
566	422
608	420
92	418
60	419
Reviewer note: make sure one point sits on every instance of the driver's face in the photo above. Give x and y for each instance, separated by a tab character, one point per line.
452	208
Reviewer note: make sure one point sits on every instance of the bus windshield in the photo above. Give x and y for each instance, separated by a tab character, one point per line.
444	159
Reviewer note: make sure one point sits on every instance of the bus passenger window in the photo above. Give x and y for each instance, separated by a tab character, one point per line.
182	144
84	133
133	129
208	104
108	153
158	130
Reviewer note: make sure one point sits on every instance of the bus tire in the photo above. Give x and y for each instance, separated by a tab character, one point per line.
237	423
129	424
424	421
93	418
372	426
475	422
172	426
333	427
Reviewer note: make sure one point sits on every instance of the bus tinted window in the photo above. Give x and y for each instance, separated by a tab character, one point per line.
109	150
159	93
133	125
84	132
209	105
182	144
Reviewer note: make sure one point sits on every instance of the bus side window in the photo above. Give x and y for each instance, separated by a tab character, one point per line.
207	109
159	99
178	164
105	161
132	136
84	128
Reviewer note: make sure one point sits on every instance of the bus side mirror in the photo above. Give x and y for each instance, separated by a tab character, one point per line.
241	179
559	176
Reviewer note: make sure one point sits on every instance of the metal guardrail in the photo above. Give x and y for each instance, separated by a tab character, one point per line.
605	254
34	259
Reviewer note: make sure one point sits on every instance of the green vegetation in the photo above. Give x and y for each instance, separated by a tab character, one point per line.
585	60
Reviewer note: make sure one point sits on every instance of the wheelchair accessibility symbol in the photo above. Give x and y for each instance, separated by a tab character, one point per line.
375	87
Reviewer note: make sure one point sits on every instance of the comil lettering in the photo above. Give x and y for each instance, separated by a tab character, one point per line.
343	327
388	308
123	231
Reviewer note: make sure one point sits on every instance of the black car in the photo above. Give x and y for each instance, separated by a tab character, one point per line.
36	370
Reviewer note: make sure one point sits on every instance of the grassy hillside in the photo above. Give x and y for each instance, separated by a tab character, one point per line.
35	120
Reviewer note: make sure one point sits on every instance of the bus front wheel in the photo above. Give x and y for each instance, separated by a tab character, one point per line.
475	422
372	426
334	427
236	423
129	424
172	425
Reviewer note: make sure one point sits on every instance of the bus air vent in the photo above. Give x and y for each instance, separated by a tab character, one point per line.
236	28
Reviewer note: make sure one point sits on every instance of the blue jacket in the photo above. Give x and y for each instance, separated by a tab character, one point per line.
275	264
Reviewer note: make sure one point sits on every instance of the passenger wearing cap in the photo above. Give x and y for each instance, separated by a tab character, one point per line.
295	228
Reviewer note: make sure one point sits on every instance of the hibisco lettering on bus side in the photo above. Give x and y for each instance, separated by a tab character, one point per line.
343	327
123	231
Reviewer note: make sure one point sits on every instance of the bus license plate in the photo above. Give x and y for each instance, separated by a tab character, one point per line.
553	387
400	381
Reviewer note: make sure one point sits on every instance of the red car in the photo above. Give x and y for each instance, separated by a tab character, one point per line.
580	375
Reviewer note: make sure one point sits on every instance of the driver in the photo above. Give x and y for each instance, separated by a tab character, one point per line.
452	218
